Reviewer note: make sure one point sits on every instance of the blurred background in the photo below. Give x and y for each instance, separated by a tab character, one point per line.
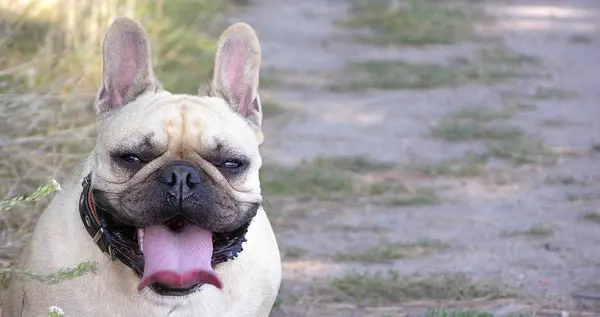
422	157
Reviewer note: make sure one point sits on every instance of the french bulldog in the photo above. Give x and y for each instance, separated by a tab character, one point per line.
168	205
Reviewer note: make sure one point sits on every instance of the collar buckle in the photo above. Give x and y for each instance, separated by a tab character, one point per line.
98	235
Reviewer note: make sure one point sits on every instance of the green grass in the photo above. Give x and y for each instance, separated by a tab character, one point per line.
581	198
53	278
278	302
502	141
399	75
526	107
270	80
271	108
476	124
580	39
469	166
359	228
355	164
293	252
416	197
592	216
563	180
483	114
20	201
55	311
535	231
325	178
524	150
389	289
413	22
487	66
387	252
306	180
380	188
442	312
343	177
503	57
552	93
458	130
553	123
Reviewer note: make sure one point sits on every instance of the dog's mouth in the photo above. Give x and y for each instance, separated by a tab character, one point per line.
179	256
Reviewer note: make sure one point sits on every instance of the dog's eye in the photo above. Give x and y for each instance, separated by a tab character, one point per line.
130	158
232	164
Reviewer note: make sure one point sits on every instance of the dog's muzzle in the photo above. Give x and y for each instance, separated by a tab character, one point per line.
122	243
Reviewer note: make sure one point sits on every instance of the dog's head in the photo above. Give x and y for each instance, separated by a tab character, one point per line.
177	169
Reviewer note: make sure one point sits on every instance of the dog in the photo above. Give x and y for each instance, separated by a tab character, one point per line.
168	205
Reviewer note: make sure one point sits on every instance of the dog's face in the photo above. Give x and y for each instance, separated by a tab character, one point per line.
177	169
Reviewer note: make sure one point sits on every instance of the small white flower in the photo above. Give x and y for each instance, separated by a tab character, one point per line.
57	311
55	184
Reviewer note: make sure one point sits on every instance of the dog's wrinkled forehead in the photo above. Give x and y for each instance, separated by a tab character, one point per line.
178	124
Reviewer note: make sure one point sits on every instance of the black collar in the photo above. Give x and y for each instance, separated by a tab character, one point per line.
226	246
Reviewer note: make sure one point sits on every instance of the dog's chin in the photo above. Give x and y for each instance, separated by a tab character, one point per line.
164	290
179	256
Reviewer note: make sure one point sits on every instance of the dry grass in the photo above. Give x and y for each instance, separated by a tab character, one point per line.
12	239
8	274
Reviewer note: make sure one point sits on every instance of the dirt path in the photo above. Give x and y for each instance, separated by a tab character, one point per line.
520	212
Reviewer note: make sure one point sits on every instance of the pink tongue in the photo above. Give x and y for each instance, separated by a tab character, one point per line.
178	259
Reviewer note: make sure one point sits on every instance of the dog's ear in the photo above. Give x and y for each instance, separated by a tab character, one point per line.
236	72
126	65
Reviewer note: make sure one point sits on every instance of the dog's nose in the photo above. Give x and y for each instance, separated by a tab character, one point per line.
182	179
